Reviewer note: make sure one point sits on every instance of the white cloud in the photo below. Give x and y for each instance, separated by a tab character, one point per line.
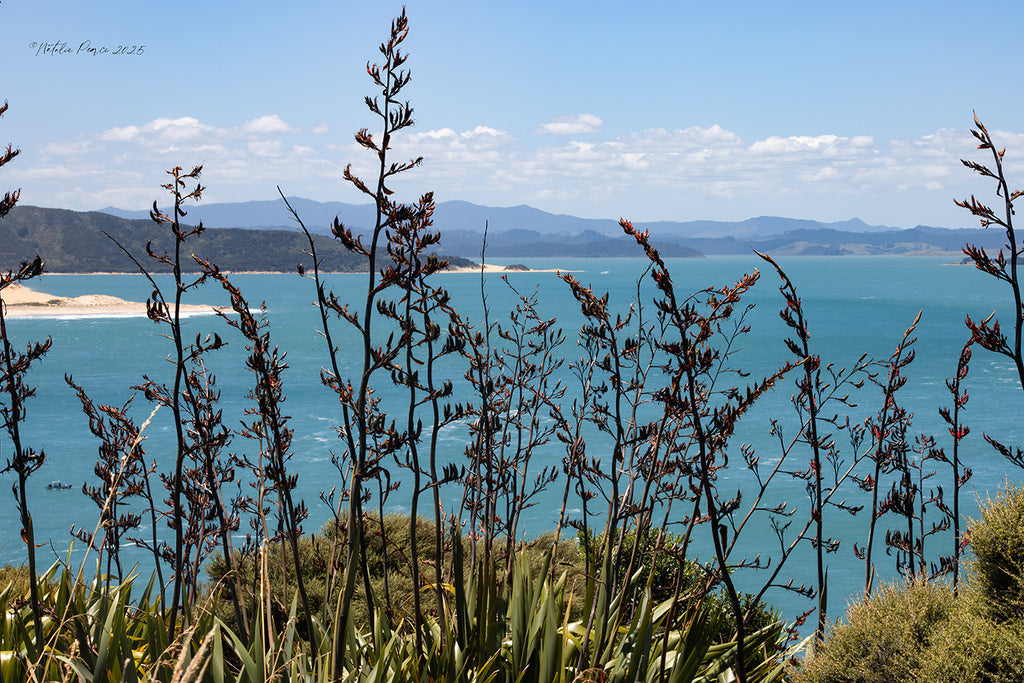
483	131
577	124
120	134
825	144
265	148
440	134
159	131
69	148
269	124
180	129
48	173
320	129
163	131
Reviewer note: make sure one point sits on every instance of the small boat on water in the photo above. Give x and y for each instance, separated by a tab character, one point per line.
57	485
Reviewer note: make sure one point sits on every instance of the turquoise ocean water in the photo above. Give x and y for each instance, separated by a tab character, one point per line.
854	305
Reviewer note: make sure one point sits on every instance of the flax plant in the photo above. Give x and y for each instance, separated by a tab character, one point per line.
1004	267
24	460
512	373
478	494
368	440
709	411
527	364
820	387
911	499
420	312
957	431
199	471
14	393
607	339
122	472
269	427
888	430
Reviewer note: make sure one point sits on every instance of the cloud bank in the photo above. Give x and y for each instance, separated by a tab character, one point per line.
566	164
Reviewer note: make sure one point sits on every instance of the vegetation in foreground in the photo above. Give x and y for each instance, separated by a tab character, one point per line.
644	416
923	630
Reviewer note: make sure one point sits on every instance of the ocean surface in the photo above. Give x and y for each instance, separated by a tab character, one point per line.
854	306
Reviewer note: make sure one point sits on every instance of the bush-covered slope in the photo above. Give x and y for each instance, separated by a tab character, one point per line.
74	242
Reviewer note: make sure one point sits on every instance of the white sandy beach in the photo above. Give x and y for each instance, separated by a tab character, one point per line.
493	268
22	302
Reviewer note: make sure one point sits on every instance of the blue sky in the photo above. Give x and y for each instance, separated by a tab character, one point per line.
656	111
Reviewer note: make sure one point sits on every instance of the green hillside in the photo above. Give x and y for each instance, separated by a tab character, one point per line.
74	242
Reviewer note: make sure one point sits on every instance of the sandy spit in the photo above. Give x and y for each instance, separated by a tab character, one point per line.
22	302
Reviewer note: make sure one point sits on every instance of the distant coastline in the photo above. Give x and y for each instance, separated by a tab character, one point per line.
82	242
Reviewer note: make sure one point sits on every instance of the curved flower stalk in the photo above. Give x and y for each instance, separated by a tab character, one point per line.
888	430
269	427
123	475
367	436
1004	267
694	339
420	312
198	474
957	431
14	392
818	388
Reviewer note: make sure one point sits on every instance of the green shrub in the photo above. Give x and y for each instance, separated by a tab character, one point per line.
315	552
996	567
970	646
391	579
920	631
885	637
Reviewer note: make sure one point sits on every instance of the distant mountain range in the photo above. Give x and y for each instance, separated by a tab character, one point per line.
465	216
523	231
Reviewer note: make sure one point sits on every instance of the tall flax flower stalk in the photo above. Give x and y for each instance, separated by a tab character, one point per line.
269	426
1004	267
958	431
888	430
819	386
420	312
24	460
13	394
199	436
696	348
366	436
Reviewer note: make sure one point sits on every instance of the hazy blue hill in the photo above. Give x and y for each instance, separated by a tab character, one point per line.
752	228
527	231
461	215
270	213
603	247
74	242
820	242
